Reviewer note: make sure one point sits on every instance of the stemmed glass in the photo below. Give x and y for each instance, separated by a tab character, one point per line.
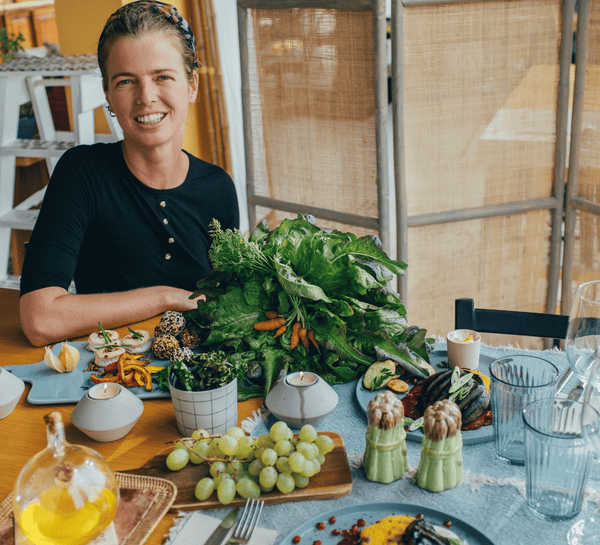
582	346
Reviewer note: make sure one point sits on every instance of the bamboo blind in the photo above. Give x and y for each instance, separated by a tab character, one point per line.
586	251
480	94
312	74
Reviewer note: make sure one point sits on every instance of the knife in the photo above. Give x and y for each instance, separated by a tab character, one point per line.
221	531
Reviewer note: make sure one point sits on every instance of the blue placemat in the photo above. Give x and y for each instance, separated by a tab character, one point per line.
490	498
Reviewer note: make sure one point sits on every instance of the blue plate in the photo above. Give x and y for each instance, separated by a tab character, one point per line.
49	387
438	359
371	513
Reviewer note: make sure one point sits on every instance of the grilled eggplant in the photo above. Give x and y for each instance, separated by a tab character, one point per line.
419	532
472	406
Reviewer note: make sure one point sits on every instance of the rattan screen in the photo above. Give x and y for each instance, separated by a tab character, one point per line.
586	258
480	94
313	112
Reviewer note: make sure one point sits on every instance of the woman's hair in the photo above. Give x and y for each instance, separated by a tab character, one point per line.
148	17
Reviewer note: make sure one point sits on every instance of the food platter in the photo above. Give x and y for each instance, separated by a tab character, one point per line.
333	481
50	387
438	359
371	513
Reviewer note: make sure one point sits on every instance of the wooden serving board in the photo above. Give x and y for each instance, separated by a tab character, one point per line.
333	481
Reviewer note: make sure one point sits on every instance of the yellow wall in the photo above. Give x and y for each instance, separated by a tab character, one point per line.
79	27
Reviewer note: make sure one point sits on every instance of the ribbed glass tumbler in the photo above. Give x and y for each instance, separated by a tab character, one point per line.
557	457
516	381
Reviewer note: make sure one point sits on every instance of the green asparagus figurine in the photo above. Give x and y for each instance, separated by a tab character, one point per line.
440	466
385	458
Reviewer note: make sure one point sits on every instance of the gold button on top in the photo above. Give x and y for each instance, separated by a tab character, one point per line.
163	203
168	256
171	240
166	221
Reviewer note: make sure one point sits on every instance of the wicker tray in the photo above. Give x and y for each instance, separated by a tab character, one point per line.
143	503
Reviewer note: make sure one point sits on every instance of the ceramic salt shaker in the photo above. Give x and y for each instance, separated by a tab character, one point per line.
385	458
440	466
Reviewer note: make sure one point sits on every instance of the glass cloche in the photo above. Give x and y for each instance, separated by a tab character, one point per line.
66	494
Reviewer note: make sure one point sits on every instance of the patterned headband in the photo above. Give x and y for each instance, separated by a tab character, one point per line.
171	14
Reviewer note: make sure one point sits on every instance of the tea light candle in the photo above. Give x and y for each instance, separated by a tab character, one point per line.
301	379
104	391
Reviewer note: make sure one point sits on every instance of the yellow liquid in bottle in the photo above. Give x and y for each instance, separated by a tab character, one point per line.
55	520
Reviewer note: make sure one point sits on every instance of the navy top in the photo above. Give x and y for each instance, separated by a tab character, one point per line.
102	227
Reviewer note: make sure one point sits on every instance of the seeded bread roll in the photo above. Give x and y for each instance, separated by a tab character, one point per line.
171	323
182	353
164	346
189	339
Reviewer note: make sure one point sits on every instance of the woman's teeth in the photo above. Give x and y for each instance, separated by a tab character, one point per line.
150	119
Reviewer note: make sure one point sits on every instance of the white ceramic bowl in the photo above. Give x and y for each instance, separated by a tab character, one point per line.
11	388
301	401
107	419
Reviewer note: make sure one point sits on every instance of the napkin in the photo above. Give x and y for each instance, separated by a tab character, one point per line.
199	527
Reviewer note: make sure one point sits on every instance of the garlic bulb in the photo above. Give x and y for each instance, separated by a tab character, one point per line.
66	361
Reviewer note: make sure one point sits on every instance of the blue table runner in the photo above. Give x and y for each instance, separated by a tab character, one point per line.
490	497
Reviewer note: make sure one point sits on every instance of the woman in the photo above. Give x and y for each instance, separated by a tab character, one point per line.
128	221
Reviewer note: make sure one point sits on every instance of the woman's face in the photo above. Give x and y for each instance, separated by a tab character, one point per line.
149	91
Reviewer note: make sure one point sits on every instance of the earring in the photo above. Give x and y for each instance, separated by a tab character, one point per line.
139	102
111	112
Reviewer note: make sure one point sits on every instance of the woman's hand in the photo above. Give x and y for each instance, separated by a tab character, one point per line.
182	300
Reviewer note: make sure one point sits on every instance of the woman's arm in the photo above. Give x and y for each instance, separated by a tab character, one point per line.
52	314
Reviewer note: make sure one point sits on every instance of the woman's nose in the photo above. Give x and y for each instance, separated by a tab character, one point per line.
147	94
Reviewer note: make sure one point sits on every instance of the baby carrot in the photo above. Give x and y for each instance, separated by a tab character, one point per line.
269	325
271	314
303	337
311	336
280	331
295	335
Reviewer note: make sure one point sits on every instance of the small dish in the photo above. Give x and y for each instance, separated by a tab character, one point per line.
107	412
11	388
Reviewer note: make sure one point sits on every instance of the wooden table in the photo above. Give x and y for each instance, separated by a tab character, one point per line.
23	432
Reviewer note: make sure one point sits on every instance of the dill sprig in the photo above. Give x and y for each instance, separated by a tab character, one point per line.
230	251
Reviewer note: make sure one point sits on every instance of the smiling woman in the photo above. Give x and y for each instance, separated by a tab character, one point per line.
128	221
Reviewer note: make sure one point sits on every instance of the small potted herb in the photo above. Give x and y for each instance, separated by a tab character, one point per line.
203	391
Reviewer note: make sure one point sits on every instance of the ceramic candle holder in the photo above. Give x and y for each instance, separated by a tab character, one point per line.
301	398
11	388
107	412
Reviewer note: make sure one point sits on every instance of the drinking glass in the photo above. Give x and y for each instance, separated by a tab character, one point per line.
582	346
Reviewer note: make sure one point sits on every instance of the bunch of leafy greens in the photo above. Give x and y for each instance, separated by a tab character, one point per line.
333	283
205	371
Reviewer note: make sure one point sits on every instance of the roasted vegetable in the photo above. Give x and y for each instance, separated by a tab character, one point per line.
473	398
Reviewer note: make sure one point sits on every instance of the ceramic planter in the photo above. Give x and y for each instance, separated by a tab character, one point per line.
212	410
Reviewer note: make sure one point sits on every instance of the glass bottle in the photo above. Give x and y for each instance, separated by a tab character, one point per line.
66	494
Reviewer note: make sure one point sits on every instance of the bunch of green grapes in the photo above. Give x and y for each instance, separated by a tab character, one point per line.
249	466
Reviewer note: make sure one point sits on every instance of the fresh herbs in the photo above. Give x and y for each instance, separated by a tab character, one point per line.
205	371
104	334
333	283
380	380
135	334
461	385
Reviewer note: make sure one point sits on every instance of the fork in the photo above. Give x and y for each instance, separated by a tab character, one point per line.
248	522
